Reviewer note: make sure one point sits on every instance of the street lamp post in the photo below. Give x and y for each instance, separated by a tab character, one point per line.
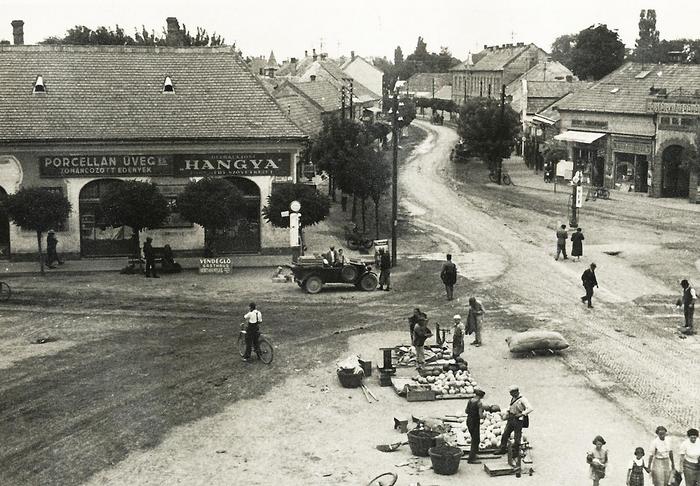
395	178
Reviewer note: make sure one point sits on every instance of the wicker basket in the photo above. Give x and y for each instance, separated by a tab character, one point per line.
350	379
420	441
445	459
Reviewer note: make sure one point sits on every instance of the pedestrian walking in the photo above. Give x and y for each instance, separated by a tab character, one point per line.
448	274
420	334
687	301
253	319
661	458
384	270
475	413
589	281
562	236
597	460
518	419
51	250
577	244
636	469
475	320
457	337
689	453
150	255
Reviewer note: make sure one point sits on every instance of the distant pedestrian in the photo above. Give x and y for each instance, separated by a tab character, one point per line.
150	255
687	301
457	337
589	281
253	319
384	270
420	334
577	244
690	458
562	236
448	274
475	320
415	319
661	458
475	413
598	460
51	250
636	469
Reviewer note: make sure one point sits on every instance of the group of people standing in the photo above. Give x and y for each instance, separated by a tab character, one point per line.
660	464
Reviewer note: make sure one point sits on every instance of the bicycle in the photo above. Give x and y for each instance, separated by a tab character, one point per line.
5	291
597	193
505	178
266	349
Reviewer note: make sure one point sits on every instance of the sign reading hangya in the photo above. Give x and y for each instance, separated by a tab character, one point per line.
178	165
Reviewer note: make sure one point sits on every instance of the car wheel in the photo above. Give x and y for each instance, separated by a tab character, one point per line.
348	273
313	284
369	282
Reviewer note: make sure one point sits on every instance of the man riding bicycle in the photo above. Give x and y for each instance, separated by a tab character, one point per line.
252	335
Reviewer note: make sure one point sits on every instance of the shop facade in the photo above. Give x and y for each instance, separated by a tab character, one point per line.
241	135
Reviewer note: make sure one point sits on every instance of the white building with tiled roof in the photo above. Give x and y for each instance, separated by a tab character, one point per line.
78	119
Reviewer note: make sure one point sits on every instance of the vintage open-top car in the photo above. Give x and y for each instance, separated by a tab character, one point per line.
312	275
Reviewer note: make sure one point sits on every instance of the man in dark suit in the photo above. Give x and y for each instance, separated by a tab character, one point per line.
589	281
331	256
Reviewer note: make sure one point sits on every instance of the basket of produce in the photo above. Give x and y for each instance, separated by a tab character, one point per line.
445	459
350	372
421	440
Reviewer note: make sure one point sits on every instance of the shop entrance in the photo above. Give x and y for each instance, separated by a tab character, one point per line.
244	235
631	172
97	239
4	231
675	179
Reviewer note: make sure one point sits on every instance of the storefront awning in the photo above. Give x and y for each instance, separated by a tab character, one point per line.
374	109
580	137
543	119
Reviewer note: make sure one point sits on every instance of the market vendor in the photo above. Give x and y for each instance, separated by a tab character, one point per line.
475	413
414	319
518	419
457	337
420	333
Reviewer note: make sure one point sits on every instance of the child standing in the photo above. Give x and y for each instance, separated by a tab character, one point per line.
598	459
635	472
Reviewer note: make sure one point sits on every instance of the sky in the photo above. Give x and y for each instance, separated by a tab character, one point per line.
370	28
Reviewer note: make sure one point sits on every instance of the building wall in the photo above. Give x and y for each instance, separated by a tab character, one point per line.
642	125
366	74
523	63
190	238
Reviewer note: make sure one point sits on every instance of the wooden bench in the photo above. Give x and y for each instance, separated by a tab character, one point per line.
159	253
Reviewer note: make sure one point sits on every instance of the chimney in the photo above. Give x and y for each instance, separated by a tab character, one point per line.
352	55
173	35
520	44
18	31
313	77
306	53
293	60
486	46
315	56
324	55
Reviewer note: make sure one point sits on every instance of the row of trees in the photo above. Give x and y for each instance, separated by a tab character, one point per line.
212	203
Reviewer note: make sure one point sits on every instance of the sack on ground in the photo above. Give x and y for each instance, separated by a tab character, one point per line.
524	342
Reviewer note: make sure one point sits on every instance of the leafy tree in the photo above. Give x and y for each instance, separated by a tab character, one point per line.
647	45
378	173
689	49
398	56
562	48
598	52
211	203
488	130
37	209
315	207
407	111
136	204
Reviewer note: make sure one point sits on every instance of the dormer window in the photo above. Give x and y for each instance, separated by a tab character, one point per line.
168	85
39	87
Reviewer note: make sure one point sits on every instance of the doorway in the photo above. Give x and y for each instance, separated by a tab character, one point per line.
243	236
4	231
675	179
97	239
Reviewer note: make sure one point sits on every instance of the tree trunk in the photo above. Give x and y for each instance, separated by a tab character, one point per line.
41	254
332	182
364	214
376	218
354	208
693	185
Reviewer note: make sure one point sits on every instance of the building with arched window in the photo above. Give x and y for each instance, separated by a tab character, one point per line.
78	120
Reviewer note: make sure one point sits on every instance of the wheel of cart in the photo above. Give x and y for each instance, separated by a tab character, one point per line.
386	479
5	291
266	351
368	282
313	284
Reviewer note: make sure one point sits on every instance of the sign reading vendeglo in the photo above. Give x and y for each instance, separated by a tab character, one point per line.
249	164
215	265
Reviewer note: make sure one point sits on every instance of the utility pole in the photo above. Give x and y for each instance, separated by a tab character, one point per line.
352	112
501	132
395	178
342	102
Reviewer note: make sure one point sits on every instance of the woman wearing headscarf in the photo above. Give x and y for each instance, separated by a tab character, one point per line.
661	458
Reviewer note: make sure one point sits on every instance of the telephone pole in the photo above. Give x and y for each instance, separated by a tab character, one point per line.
395	178
501	133
342	102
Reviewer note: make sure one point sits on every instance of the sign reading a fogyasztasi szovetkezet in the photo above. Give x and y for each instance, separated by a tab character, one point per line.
215	265
252	164
105	165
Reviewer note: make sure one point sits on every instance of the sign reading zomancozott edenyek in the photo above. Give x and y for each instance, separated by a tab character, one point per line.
250	164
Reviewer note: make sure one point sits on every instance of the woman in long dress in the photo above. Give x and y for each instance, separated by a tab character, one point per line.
661	458
577	244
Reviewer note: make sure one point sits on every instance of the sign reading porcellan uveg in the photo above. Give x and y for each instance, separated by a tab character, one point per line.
250	164
105	165
215	265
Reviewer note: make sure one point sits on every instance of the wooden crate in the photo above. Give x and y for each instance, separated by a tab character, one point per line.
419	394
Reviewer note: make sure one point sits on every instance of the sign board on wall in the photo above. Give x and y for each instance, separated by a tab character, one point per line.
215	265
674	107
178	165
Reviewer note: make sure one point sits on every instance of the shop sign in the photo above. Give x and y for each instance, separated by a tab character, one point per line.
601	125
250	164
630	147
656	106
215	265
104	165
